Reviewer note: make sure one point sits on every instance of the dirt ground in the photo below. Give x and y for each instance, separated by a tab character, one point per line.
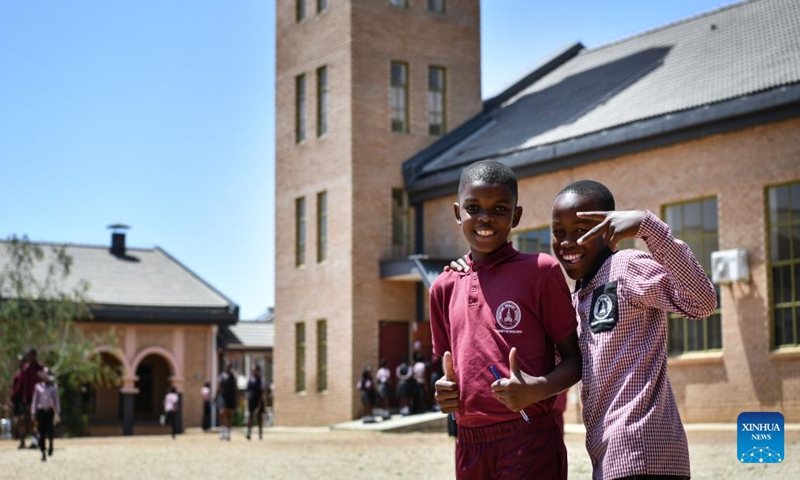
318	453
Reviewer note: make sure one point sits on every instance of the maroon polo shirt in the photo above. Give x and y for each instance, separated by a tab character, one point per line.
508	299
30	377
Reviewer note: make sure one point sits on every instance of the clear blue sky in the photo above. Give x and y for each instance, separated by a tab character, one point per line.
160	115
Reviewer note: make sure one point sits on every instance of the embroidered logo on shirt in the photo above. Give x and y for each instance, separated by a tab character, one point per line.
604	308
508	315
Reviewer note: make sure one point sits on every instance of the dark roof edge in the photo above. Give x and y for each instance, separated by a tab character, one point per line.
411	166
769	106
160	315
231	303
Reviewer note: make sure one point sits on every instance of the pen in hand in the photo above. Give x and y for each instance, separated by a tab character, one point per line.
498	377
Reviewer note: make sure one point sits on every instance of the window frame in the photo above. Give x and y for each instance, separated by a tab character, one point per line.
441	10
401	220
301	10
399	91
322	5
300	231
542	232
322	355
300	108
442	94
399	3
322	226
709	327
322	100
790	224
299	357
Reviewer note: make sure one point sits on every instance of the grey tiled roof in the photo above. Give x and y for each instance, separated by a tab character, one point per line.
142	278
253	334
729	54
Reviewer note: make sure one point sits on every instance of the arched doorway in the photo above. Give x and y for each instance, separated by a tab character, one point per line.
106	401
153	374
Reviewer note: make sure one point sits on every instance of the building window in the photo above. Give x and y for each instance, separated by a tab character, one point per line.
322	101
322	355
401	224
532	241
399	97
322	226
695	223
399	3
322	5
784	256
300	231
299	357
436	6
301	10
300	108
436	100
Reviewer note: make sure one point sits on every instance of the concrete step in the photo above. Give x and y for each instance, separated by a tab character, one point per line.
420	422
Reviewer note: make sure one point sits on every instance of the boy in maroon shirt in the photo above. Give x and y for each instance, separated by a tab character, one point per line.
511	306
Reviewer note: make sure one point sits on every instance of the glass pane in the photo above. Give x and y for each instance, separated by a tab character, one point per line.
714	325
783	243
675	341
673	214
692	219
795	253
794	200
710	215
710	245
695	328
778	204
782	284
796	297
696	244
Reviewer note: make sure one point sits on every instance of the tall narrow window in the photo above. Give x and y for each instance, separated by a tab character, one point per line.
399	97
322	226
322	355
322	5
401	224
532	241
299	357
436	100
784	260
322	101
301	10
300	231
695	223
436	6
399	3
300	108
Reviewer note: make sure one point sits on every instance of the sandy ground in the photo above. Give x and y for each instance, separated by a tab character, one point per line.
318	453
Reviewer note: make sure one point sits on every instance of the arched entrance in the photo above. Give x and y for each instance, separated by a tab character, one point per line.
106	401
153	379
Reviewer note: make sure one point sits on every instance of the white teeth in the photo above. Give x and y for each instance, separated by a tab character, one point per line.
485	233
572	257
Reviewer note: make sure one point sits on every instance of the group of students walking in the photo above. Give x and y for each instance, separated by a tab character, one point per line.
36	403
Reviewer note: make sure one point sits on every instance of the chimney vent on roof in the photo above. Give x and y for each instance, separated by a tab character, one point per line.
118	239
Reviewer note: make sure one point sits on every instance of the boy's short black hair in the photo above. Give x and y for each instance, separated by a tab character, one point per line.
594	190
489	171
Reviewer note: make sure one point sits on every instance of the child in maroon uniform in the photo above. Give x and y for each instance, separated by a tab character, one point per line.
508	312
633	429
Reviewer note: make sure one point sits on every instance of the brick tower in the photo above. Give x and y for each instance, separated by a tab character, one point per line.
362	85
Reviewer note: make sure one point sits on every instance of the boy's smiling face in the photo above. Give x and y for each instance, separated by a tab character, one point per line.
567	228
486	212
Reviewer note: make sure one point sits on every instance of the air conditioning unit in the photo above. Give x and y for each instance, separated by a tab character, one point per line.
728	266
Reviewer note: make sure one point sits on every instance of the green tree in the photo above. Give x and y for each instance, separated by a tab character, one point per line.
39	307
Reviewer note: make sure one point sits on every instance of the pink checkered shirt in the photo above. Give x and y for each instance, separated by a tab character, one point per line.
632	422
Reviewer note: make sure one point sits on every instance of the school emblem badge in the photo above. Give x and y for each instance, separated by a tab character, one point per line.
603	307
508	315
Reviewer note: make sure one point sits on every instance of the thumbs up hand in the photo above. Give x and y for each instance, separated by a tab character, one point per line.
519	390
447	393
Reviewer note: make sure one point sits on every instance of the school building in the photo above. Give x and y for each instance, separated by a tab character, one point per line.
697	121
166	320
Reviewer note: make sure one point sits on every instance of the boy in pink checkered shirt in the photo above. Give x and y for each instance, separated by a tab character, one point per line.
633	429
